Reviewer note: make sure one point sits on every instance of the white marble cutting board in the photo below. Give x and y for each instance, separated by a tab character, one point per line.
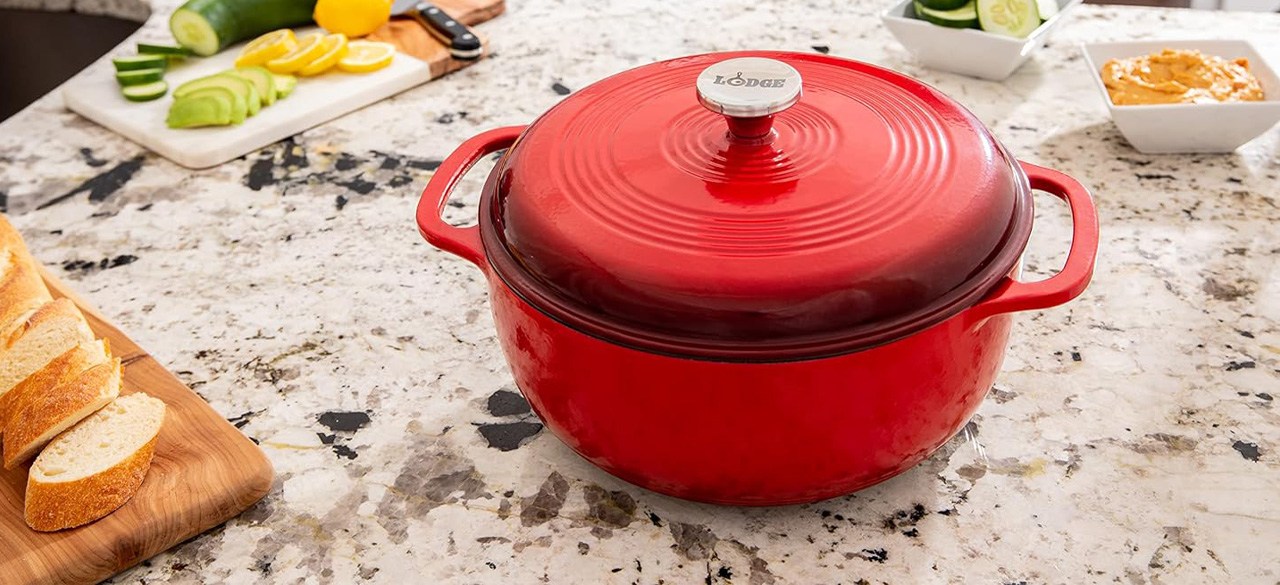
94	94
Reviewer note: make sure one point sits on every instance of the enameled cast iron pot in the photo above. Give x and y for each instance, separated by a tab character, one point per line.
719	286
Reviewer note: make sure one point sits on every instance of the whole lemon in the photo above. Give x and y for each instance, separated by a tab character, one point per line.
354	18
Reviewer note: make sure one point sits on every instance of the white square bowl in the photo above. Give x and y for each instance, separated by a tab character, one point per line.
967	51
1169	128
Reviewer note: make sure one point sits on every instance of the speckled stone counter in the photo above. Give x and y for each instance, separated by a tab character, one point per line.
1132	437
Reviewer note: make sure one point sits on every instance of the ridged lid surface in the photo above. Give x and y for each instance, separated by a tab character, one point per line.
869	207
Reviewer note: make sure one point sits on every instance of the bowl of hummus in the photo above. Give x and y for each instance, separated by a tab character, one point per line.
1186	96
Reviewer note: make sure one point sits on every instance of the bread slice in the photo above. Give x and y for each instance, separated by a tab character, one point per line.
53	375
48	333
43	417
21	290
97	466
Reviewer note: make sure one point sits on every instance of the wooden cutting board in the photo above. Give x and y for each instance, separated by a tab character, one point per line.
94	93
204	473
409	36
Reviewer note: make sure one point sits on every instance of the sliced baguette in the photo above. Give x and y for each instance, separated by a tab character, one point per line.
97	466
10	238
48	333
48	414
52	376
21	290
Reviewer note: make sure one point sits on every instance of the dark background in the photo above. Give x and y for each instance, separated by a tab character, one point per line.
39	50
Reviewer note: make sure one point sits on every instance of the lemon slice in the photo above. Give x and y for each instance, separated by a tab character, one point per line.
309	47
267	47
366	56
335	48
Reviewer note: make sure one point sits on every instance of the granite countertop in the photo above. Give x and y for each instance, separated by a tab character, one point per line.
1133	436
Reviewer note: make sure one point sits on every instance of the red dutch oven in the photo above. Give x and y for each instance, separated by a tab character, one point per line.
720	285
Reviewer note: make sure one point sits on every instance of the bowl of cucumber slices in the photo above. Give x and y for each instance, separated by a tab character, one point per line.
988	39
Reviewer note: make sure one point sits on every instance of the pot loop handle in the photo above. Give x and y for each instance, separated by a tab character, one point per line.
1012	295
461	241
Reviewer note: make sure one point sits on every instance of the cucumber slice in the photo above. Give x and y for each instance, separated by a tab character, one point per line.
139	77
1047	8
1011	18
208	26
964	17
145	92
163	50
943	4
284	85
140	62
239	110
261	80
209	109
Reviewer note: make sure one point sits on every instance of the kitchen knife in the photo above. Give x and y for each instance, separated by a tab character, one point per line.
462	43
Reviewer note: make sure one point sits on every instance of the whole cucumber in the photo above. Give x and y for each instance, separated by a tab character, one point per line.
208	26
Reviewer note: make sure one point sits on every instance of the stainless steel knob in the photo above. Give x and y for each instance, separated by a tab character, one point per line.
749	91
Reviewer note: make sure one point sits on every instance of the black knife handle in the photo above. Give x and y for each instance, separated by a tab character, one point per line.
463	44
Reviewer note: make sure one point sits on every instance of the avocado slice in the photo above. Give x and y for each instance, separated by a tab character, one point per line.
238	85
284	85
231	82
254	99
239	110
261	80
207	109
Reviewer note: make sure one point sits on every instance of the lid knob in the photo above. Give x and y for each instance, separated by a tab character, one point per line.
748	91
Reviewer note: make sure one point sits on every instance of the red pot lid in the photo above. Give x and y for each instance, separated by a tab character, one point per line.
711	207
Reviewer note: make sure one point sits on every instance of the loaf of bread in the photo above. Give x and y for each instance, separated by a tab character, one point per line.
97	466
21	291
48	333
60	387
54	374
46	415
10	239
34	328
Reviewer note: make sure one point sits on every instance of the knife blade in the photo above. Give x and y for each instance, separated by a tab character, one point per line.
462	42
